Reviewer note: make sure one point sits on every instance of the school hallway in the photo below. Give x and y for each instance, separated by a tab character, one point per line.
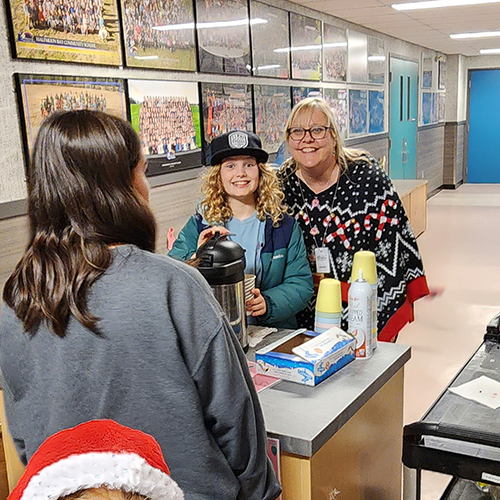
460	250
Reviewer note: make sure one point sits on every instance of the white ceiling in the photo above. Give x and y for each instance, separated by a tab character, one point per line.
429	28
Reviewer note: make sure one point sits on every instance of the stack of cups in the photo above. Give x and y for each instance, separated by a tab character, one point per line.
366	261
328	305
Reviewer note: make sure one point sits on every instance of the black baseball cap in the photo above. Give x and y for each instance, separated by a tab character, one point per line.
236	143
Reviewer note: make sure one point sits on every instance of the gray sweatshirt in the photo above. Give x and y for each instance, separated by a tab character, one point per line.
165	362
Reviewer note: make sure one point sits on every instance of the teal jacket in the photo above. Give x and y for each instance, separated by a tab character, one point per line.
286	281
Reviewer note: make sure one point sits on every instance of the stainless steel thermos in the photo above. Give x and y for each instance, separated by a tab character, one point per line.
222	263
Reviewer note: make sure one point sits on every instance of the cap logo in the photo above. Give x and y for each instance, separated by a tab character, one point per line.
238	140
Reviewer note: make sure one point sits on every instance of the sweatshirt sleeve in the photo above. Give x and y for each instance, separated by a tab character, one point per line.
186	243
234	416
293	294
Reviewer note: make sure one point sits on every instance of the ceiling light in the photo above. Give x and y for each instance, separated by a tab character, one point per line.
301	47
269	66
215	24
334	44
489	51
479	34
376	58
435	4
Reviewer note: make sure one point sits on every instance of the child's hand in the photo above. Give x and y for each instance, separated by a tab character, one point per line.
208	233
256	306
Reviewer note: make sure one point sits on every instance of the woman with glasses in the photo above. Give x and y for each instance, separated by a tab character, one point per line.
344	202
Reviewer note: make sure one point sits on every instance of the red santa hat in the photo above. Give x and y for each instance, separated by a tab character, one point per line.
99	453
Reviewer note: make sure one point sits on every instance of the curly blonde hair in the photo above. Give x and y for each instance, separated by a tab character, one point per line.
214	205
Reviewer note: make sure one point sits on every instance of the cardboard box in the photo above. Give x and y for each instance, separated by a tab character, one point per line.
327	353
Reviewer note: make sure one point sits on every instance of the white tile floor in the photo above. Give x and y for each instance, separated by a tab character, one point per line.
461	254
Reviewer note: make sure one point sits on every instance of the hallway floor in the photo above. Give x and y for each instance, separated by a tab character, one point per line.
460	250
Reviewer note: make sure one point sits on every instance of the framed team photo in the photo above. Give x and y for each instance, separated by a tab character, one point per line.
225	107
42	95
223	36
334	53
270	40
337	100
159	34
66	30
306	47
166	115
272	105
358	112
376	111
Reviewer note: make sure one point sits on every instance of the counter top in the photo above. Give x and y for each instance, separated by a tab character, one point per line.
405	186
304	418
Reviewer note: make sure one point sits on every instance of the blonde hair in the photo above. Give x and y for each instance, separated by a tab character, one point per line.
310	105
214	205
103	494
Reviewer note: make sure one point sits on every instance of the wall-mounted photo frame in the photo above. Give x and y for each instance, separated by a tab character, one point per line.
225	107
42	95
334	53
159	34
223	36
270	40
306	45
357	47
441	74
441	103
377	61
337	100
272	106
300	93
427	112
376	111
166	115
66	31
427	65
358	112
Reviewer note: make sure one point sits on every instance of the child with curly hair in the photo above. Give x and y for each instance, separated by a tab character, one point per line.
242	199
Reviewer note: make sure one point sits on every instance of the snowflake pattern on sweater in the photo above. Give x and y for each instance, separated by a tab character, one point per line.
366	214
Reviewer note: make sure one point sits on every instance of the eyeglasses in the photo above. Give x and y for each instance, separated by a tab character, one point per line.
298	133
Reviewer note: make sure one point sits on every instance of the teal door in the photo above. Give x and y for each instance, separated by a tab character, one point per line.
483	161
403	119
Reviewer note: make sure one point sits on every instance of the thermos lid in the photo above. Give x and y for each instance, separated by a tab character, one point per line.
222	261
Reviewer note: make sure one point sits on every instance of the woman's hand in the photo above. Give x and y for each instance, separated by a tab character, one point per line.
208	233
256	306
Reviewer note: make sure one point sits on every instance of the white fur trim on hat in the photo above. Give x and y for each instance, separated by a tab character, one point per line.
116	471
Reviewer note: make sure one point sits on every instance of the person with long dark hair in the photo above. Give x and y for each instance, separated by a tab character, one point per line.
95	325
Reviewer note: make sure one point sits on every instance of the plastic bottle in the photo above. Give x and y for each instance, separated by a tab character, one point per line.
366	260
360	316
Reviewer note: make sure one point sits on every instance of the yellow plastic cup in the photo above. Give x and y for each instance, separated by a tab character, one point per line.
329	298
364	260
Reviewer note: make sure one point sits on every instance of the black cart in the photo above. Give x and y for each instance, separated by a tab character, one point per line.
457	436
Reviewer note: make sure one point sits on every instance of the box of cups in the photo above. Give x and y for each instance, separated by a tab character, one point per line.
307	357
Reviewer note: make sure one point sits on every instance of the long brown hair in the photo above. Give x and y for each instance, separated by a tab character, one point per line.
81	200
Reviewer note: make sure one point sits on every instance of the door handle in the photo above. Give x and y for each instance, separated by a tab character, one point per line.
413	119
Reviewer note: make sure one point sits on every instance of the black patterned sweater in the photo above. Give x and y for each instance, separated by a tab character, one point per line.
363	213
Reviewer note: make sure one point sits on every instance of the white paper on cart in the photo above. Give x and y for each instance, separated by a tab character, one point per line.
483	389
